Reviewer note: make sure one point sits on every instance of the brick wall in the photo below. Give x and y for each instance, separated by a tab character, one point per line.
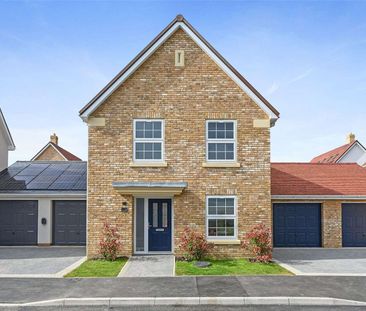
50	154
332	224
184	97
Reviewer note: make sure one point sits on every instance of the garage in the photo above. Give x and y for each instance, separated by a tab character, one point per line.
297	224
43	203
69	222
354	224
18	222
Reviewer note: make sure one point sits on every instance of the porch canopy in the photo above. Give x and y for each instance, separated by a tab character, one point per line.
138	188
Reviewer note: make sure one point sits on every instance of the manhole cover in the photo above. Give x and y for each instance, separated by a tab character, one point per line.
202	264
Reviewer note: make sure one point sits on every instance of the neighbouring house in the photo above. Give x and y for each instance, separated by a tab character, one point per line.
43	203
351	152
178	138
6	142
53	152
319	204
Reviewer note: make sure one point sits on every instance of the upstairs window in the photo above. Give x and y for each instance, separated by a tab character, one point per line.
148	140
220	140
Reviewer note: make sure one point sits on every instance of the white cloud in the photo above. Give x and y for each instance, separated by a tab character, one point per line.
301	76
273	88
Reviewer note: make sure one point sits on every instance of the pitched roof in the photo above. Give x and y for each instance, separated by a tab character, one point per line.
179	23
333	155
8	137
318	179
66	154
48	176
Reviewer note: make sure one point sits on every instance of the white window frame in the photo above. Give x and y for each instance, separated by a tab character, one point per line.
220	140
235	216
149	140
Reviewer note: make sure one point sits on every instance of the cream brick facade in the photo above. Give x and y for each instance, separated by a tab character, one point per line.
332	224
185	97
50	154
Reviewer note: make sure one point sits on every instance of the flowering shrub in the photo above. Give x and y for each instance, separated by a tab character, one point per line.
193	244
110	243
258	242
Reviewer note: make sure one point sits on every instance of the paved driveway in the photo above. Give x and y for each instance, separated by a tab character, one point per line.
38	261
322	261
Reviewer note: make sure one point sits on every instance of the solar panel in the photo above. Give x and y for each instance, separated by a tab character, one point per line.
81	183
44	176
33	169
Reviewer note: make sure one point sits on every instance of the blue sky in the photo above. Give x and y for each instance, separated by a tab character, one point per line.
307	58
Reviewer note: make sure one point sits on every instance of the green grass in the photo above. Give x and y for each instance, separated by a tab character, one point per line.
229	267
98	268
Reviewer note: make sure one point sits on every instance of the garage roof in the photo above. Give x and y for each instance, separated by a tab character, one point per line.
46	176
336	179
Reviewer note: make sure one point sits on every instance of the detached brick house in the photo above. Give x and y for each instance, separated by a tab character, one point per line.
179	138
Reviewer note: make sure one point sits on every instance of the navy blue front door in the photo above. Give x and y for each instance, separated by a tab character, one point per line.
160	225
296	225
354	224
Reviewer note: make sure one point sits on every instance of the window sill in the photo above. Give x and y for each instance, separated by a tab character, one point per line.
220	164
148	164
224	242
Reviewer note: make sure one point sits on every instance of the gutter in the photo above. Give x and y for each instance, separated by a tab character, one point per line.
43	194
318	197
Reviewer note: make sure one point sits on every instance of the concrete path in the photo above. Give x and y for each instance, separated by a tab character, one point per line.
27	290
38	261
149	266
322	261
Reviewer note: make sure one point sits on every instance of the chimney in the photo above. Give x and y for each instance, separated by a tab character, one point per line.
350	138
54	139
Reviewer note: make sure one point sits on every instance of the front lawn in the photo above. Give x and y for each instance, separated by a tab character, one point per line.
98	268
229	267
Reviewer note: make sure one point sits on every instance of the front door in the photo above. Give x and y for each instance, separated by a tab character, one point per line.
160	225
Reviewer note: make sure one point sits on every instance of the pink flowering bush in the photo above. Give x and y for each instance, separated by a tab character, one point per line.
193	244
258	242
110	244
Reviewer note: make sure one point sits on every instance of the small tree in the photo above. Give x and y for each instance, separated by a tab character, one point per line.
110	243
193	244
258	242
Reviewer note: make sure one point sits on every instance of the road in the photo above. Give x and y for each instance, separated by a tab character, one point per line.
14	290
196	308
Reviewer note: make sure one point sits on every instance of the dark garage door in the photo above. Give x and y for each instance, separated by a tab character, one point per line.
354	224
18	222
69	222
296	225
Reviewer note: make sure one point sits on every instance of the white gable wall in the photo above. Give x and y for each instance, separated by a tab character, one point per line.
362	160
3	151
354	155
